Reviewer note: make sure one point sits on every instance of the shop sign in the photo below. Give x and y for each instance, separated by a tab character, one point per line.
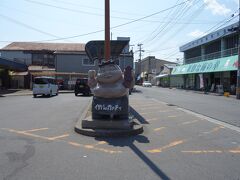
216	65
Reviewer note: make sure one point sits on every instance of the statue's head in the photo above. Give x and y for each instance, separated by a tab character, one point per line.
109	73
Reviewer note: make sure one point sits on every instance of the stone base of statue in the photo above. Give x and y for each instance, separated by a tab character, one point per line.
110	108
104	126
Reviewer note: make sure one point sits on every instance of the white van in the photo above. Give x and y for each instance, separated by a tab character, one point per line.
44	86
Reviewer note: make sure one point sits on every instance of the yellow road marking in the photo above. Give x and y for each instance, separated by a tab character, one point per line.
214	130
58	137
172	116
89	146
74	144
234	151
34	130
172	144
26	133
101	143
92	147
159	129
65	135
203	151
152	119
189	122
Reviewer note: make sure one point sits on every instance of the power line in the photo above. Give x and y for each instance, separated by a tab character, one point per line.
114	27
153	21
27	26
170	25
217	28
90	7
182	27
79	11
73	10
162	26
221	23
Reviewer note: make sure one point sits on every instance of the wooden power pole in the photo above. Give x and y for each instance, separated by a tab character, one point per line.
107	31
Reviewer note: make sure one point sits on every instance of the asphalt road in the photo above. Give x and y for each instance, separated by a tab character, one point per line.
37	141
218	107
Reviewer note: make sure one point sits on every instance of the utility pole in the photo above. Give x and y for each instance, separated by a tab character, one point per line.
140	57
238	64
107	30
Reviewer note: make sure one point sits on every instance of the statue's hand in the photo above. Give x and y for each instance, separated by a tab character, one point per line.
92	81
128	77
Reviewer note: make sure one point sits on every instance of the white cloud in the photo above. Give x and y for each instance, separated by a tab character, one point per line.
216	8
196	33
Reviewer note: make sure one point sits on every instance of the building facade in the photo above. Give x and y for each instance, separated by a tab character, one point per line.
64	61
148	68
210	62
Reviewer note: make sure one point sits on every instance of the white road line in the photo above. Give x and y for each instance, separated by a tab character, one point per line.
215	121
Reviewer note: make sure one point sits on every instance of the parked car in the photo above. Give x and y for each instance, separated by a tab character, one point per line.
81	86
146	84
45	86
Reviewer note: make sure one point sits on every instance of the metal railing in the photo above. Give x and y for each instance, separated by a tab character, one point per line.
216	55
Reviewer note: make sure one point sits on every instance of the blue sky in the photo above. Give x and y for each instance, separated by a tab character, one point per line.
160	34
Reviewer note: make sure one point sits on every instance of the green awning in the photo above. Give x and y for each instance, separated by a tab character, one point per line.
216	65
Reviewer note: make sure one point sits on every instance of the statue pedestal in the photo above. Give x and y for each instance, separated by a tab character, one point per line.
88	126
90	123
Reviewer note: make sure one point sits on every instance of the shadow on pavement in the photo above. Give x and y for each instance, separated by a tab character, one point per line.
8	91
137	116
136	91
44	97
82	95
123	142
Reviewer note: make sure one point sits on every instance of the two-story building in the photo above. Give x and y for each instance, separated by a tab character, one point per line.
65	61
148	68
210	62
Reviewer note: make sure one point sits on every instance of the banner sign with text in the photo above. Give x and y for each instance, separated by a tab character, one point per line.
216	65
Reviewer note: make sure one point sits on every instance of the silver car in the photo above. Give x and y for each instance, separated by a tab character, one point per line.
146	84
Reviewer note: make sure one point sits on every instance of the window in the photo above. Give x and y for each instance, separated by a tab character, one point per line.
43	59
41	81
87	62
